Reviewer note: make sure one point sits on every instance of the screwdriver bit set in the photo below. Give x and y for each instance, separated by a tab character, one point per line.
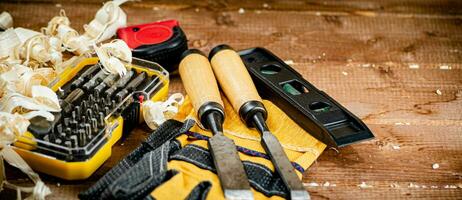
97	109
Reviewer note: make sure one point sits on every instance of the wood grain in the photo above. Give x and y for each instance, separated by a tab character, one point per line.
199	81
234	79
383	60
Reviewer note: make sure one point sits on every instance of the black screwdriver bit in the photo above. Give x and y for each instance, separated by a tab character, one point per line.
130	87
119	84
74	96
101	122
84	76
74	141
94	125
107	82
81	138
95	80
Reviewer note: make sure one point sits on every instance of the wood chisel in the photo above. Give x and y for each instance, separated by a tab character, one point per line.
238	87
201	86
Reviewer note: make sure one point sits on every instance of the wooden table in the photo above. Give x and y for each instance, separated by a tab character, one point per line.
396	64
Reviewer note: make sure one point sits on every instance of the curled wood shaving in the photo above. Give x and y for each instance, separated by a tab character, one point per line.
43	101
394	185
12	126
36	46
111	54
438	92
6	21
107	20
30	59
156	113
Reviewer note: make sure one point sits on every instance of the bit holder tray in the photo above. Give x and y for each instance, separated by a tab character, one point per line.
97	110
312	109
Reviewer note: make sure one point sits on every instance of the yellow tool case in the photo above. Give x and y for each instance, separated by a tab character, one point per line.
97	110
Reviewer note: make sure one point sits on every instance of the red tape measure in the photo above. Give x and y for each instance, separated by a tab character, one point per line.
162	42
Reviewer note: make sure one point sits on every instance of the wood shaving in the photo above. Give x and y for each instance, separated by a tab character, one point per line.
445	67
111	54
336	150
394	185
29	60
365	65
414	66
241	11
11	126
396	147
265	5
156	113
345	73
326	184
6	21
363	185
412	185
289	62
312	184
435	166
438	92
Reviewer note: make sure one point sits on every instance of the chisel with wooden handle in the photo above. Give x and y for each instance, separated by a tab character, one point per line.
238	87
201	86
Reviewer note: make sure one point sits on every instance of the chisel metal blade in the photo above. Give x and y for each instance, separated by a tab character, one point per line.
283	166
229	168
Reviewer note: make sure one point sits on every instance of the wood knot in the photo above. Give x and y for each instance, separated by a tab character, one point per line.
225	19
333	19
410	48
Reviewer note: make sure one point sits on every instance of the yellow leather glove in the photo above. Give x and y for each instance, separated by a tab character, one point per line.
301	148
175	163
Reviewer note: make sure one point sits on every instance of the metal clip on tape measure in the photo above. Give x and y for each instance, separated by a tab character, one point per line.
162	42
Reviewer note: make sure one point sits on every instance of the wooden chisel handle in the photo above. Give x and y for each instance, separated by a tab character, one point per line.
199	81
236	82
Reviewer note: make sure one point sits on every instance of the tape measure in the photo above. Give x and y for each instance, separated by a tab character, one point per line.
162	42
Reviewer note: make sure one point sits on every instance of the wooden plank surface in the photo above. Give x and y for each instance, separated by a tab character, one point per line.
383	60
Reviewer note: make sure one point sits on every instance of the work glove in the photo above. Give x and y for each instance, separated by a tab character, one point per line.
189	172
